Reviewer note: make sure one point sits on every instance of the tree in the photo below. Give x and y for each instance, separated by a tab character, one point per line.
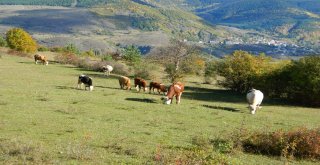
20	40
242	70
177	59
71	48
132	55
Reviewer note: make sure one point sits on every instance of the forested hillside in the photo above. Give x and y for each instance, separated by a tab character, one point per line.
294	19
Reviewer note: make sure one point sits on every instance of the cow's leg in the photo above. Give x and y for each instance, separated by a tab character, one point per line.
121	87
36	61
79	85
178	97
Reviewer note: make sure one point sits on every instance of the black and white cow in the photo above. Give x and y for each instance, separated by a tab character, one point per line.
86	80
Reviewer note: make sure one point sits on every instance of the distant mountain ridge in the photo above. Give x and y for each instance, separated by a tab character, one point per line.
220	23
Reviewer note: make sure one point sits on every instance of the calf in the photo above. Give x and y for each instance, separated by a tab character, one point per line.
41	58
254	98
124	82
160	87
175	89
86	80
140	83
107	69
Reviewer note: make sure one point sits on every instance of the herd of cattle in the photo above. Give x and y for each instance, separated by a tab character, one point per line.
254	97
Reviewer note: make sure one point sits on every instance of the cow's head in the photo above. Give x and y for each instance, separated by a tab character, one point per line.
166	100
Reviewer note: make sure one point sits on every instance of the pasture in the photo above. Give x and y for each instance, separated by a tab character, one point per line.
44	119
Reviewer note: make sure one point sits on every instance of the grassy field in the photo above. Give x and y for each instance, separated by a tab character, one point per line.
44	119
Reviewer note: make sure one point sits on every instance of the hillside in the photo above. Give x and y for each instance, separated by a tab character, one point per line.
277	28
293	19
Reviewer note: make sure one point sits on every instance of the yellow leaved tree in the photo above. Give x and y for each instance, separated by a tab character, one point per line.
20	40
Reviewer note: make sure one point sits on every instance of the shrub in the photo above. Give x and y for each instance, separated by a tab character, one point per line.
71	48
20	40
67	58
89	53
132	55
241	70
43	49
193	64
3	42
304	86
210	71
121	69
145	70
298	81
18	53
300	143
106	58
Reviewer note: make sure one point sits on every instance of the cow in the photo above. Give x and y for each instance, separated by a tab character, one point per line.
107	69
124	82
140	83
175	89
86	80
254	98
160	87
41	58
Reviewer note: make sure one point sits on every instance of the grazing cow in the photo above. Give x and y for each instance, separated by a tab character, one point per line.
41	58
175	89
86	80
254	98
160	87
124	82
140	83
107	69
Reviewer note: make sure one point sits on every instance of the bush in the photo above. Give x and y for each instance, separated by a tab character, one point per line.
298	81
145	70
242	70
71	48
210	72
3	42
132	55
20	40
300	143
43	49
304	86
67	58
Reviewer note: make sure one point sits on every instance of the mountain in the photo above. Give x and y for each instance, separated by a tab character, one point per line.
275	27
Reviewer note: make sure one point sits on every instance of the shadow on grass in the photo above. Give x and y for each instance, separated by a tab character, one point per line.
66	87
142	100
101	75
205	94
107	87
23	62
222	108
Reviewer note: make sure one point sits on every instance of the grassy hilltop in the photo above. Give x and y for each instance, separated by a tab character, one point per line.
44	119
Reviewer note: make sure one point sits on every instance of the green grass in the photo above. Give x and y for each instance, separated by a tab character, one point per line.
44	119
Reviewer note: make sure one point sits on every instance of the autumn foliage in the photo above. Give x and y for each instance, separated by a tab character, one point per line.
20	40
299	143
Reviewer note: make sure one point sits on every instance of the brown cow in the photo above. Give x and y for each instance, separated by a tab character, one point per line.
140	83
160	87
41	58
175	89
124	82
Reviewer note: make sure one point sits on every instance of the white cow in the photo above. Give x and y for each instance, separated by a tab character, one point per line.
254	98
107	69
